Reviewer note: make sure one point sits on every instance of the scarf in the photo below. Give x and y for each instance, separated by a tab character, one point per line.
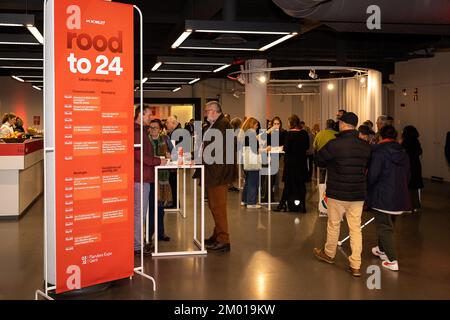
160	148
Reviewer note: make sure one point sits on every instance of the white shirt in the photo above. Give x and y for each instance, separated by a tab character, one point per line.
5	129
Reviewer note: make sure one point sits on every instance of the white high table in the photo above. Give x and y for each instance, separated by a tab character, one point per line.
269	181
200	244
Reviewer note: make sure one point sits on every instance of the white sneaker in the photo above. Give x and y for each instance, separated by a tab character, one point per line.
391	265
380	254
242	203
253	206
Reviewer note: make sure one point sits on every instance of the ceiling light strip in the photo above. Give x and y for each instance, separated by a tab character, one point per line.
243	31
17	78
35	32
21	59
166	82
11	25
187	70
221	48
17	67
19	43
37	88
181	38
30	76
222	67
195	63
156	66
270	45
176	89
194	81
170	78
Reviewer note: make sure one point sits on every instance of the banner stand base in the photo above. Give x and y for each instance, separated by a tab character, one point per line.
42	294
51	295
141	273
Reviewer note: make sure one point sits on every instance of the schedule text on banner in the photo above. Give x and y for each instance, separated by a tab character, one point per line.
93	45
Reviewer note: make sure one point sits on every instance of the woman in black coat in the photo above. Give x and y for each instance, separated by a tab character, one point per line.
412	146
295	169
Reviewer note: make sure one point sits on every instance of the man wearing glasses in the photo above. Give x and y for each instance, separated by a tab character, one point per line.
217	178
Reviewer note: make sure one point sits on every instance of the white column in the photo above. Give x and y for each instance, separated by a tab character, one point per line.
256	91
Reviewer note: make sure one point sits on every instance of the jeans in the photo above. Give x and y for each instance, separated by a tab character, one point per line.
250	192
151	212
137	211
385	231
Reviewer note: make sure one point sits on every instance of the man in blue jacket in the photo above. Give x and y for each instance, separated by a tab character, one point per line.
346	159
388	192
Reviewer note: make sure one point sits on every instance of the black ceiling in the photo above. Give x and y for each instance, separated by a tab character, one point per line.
317	43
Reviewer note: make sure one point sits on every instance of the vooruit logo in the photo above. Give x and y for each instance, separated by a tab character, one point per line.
93	21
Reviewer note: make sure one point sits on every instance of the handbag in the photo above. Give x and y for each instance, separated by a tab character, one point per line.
252	160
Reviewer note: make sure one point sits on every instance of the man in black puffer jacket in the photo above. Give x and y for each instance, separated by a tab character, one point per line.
346	159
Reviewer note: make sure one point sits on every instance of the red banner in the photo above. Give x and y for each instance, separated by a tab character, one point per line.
93	45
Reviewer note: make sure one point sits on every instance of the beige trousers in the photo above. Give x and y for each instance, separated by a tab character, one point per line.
353	211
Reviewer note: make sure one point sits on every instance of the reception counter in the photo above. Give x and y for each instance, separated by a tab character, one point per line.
21	176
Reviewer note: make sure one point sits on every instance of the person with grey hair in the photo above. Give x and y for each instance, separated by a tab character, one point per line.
382	121
172	124
217	178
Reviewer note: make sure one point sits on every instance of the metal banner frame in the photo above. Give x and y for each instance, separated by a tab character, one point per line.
50	151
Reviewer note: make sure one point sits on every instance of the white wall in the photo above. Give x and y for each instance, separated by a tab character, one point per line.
364	101
430	114
22	99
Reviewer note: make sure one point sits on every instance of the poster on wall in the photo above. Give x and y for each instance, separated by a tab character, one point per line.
93	95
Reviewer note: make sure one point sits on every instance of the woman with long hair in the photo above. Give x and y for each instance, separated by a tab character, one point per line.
8	122
295	171
248	138
275	129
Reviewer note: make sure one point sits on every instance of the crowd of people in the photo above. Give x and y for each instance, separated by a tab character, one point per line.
362	168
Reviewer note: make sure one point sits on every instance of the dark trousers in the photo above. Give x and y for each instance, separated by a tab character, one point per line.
310	162
292	191
151	212
385	232
415	200
217	201
173	187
